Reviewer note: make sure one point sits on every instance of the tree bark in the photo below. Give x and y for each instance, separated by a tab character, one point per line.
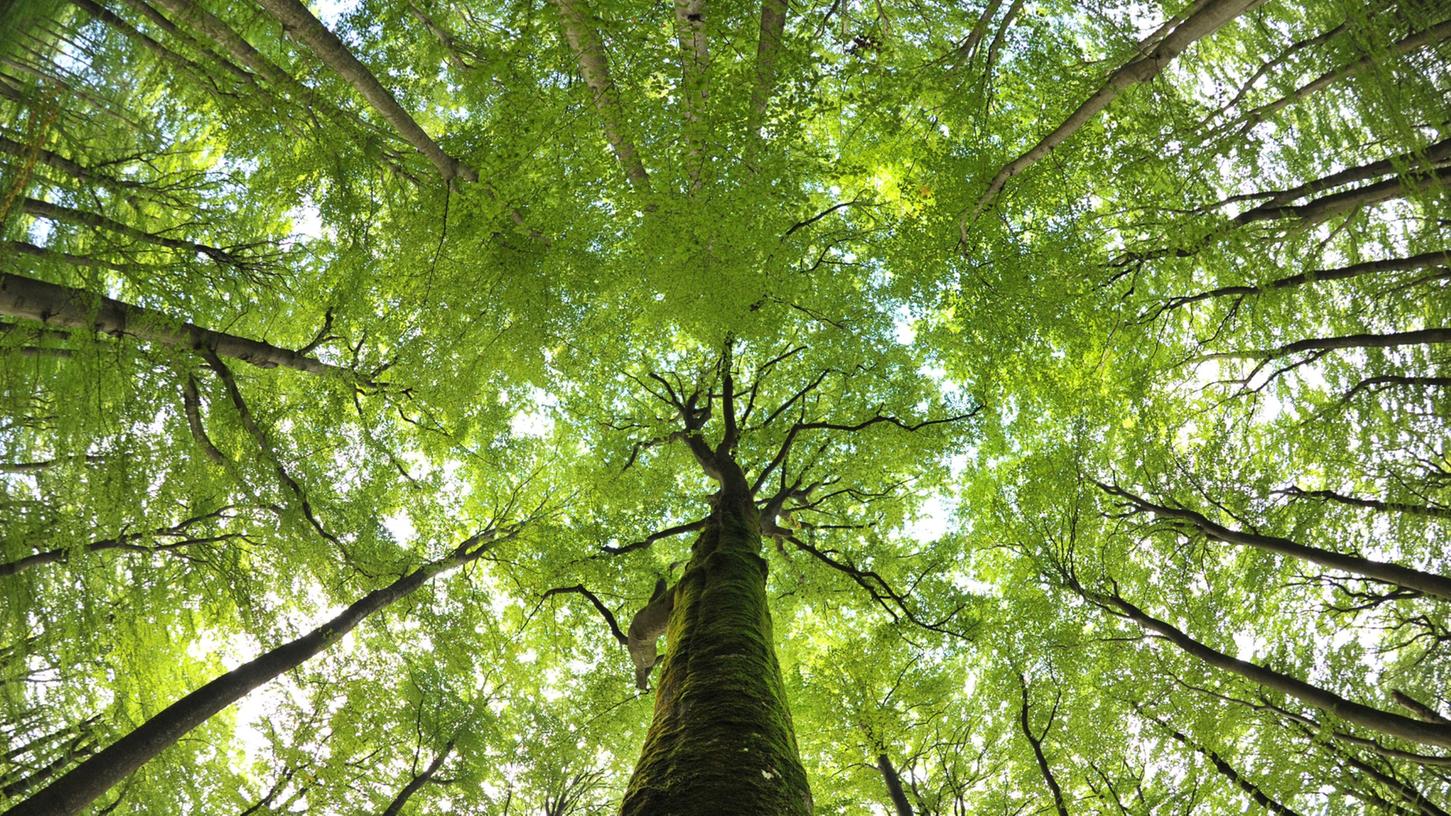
423	778
83	784
1421	261
158	19
1253	791
1207	19
1405	45
124	542
222	35
1432	156
768	52
1377	504
105	15
965	50
584	41
298	22
1335	204
1352	712
1037	743
1411	382
75	170
900	805
56	305
1430	583
694	60
721	735
70	215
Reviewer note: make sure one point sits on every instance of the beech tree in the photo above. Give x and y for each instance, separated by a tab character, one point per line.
1013	406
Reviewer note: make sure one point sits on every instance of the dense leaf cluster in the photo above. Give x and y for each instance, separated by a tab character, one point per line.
1091	357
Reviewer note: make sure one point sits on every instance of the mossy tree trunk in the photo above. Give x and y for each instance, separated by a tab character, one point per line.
721	739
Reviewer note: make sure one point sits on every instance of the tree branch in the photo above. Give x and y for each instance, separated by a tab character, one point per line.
56	305
599	606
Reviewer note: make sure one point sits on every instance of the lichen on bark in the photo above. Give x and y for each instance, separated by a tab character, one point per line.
721	740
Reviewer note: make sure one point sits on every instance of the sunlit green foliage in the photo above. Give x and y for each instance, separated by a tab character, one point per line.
1225	293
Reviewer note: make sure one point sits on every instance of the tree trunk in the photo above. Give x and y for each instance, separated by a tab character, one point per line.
1037	743
1253	791
585	42
69	215
1336	203
299	23
1208	18
72	308
395	807
722	736
1429	583
86	782
894	786
768	50
1421	261
1385	722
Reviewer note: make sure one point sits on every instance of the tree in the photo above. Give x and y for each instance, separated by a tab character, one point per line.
1003	407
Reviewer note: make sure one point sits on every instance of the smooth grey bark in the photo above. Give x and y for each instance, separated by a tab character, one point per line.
83	784
1434	155
71	308
768	53
1342	202
1377	504
694	60
1375	719
300	24
75	170
1430	583
1209	16
585	42
1405	45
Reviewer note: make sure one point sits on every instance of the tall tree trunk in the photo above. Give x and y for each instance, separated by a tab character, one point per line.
125	541
1385	722
1429	583
70	215
768	52
424	777
1253	791
57	305
1426	259
1036	741
722	736
86	782
894	786
1208	17
299	24
589	50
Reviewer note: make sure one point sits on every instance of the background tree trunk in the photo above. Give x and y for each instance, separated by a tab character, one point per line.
894	786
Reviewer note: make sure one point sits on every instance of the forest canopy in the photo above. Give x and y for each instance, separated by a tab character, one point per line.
575	407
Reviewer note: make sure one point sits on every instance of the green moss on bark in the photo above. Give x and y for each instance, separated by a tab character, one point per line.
722	740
